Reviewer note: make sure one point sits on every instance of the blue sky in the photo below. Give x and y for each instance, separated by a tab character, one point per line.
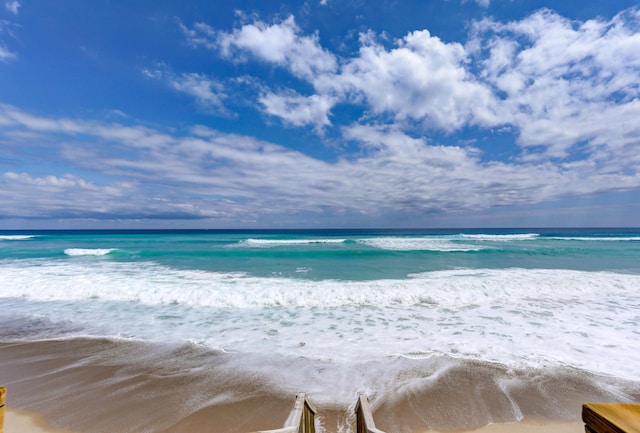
324	113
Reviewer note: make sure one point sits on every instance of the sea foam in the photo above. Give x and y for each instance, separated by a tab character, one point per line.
530	317
419	244
507	237
88	251
288	242
16	237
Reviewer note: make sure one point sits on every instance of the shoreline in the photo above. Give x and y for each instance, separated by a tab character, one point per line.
92	385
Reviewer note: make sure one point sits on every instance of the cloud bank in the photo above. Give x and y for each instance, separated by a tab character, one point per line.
566	90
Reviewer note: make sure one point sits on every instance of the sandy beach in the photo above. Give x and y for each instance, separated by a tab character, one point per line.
100	385
20	421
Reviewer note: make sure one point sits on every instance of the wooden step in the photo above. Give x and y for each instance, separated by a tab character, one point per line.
611	418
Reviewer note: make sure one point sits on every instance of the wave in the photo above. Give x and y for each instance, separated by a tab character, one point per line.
509	237
597	238
419	244
288	242
16	237
154	284
510	316
88	251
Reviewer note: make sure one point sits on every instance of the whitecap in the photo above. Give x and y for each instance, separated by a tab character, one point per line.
88	251
16	237
499	238
288	242
419	244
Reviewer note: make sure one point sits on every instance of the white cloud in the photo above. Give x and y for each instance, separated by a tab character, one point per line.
209	93
278	43
208	174
548	77
299	110
12	6
483	3
5	54
564	82
206	91
568	90
423	79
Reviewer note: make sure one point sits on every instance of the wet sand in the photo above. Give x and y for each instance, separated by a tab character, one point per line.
20	421
97	385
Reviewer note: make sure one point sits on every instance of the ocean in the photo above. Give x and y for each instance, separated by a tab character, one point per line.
489	325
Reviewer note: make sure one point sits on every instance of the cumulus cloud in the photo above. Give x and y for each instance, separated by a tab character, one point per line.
568	91
561	82
279	43
422	79
564	87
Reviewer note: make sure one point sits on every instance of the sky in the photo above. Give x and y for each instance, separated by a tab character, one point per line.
319	114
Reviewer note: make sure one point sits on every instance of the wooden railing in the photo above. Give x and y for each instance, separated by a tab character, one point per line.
301	419
3	393
364	418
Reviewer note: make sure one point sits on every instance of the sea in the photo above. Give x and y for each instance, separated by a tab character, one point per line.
495	325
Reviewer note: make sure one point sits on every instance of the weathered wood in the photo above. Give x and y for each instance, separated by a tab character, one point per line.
611	418
364	418
301	419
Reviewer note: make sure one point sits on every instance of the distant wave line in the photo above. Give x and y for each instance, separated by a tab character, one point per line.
419	244
596	238
16	237
506	237
88	251
288	242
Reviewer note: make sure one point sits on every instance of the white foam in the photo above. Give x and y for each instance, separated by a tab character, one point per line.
597	239
288	242
510	237
153	284
419	244
513	316
88	251
16	237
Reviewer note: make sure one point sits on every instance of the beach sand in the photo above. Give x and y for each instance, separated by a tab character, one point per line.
88	385
21	421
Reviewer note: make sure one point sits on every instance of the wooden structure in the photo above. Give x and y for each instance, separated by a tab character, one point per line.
301	419
3	395
364	418
611	418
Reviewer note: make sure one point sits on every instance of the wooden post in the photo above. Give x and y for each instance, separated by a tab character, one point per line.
3	395
364	418
307	424
611	418
301	419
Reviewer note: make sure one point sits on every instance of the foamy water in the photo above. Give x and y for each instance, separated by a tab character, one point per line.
88	251
511	316
307	312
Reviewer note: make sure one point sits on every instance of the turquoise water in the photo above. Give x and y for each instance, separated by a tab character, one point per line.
332	302
344	254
